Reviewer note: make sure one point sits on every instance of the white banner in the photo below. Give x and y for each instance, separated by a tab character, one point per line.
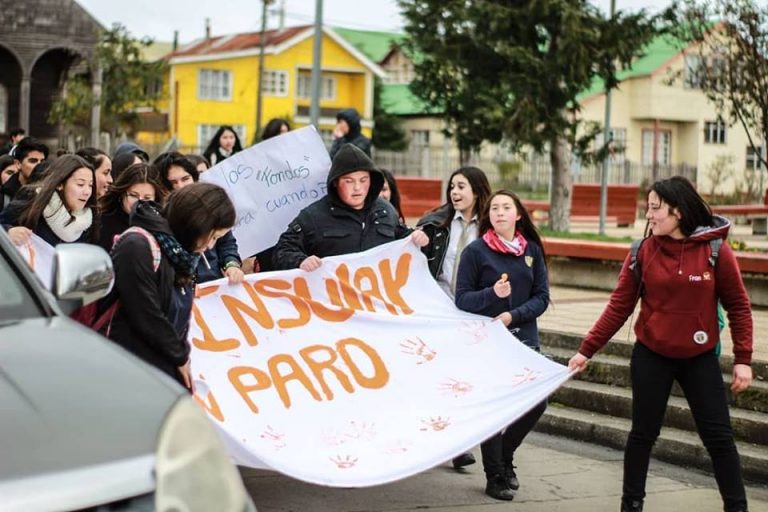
39	255
359	373
269	183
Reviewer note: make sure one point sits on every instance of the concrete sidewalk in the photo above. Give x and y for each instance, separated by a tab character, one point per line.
555	475
575	310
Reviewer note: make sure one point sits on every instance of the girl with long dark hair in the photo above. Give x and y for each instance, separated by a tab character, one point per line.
64	210
503	275
677	332
223	144
156	287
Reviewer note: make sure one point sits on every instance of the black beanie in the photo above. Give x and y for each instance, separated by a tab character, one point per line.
349	159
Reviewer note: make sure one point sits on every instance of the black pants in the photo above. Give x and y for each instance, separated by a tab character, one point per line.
702	382
500	449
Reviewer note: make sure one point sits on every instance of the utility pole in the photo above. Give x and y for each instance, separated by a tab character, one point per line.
96	87
317	54
607	139
262	44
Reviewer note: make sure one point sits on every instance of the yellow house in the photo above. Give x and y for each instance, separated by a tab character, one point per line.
214	81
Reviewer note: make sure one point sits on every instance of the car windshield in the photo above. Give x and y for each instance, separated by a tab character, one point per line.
16	301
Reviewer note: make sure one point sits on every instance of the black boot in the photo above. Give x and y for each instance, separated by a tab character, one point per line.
628	505
465	459
496	488
511	477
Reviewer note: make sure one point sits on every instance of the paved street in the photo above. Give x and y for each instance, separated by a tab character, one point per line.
555	475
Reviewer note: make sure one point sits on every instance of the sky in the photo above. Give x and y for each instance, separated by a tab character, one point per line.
159	18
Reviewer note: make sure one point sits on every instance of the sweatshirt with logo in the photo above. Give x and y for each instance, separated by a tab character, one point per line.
678	304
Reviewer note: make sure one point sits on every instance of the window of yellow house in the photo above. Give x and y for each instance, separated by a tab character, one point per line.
714	132
214	84
275	82
327	86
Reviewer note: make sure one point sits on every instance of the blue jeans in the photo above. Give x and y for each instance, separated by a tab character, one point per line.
702	382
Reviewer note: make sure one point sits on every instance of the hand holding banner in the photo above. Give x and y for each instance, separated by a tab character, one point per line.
358	373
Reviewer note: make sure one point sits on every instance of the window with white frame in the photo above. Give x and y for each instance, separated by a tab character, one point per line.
753	158
327	86
618	147
214	84
275	82
664	149
205	133
714	132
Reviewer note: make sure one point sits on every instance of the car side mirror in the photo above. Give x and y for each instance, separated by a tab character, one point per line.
82	274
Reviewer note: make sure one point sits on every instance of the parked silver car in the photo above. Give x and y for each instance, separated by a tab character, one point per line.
84	425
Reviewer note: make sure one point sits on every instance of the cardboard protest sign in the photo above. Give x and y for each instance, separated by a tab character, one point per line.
269	184
39	255
359	373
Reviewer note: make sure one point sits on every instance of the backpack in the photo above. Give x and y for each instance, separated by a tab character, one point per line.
714	247
88	314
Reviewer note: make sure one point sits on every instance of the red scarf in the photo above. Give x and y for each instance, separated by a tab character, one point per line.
496	244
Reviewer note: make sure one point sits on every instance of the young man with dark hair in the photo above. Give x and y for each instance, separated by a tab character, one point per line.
27	154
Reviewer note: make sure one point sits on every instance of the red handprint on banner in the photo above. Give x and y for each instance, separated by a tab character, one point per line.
455	387
419	349
436	424
476	331
344	462
276	438
527	375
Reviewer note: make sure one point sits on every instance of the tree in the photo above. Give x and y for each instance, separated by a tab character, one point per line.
514	70
128	82
387	128
727	60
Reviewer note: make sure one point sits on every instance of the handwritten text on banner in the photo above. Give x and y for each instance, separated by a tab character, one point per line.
270	182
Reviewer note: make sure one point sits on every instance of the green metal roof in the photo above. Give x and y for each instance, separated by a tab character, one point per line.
660	50
375	45
397	99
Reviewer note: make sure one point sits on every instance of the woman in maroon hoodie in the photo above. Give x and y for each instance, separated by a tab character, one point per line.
677	333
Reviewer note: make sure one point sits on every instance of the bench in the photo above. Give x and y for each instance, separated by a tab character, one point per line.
585	205
757	214
749	262
419	195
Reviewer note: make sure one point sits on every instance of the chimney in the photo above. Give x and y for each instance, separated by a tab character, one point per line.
175	40
282	15
207	28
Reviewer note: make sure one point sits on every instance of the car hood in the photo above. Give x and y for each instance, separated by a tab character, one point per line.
71	399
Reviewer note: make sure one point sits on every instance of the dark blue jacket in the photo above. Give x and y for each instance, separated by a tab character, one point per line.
222	253
480	268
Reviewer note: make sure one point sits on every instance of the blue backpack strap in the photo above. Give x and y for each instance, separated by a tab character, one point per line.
714	246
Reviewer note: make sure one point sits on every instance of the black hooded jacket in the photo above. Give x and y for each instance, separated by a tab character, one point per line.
328	227
153	317
354	136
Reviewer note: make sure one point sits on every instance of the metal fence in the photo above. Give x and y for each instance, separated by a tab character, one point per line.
531	172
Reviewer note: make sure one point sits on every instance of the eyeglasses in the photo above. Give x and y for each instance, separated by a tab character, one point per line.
136	197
